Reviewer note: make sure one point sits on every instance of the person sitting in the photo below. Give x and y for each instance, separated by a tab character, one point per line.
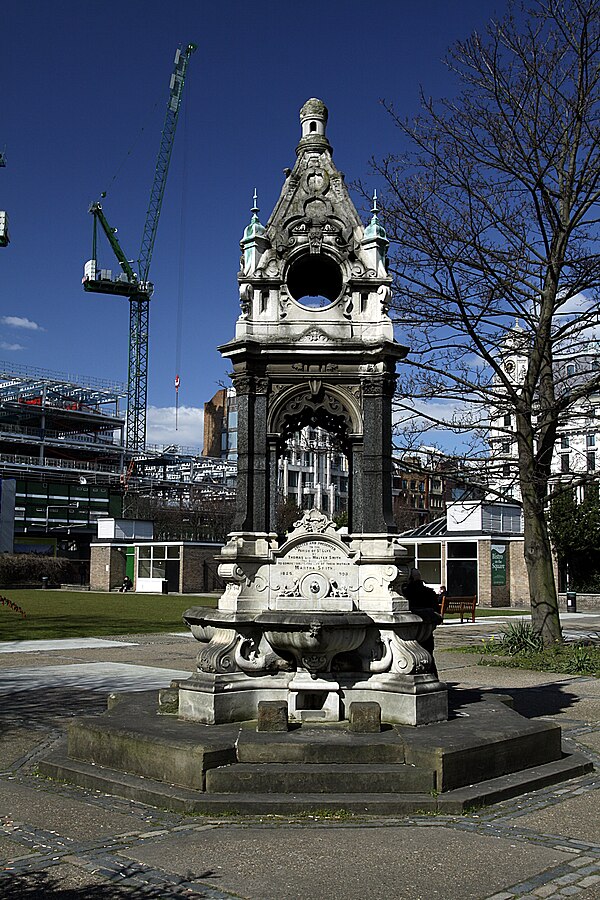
127	585
417	593
420	597
442	594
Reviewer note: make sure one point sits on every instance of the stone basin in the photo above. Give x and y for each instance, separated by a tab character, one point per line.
312	639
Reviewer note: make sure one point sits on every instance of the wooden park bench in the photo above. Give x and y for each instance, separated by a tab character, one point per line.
463	605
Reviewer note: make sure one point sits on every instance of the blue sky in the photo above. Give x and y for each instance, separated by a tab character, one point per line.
84	91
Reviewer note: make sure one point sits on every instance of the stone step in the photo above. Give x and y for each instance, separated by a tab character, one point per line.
326	746
167	750
303	778
145	790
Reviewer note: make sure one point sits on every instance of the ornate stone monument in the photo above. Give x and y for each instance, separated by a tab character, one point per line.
312	620
315	617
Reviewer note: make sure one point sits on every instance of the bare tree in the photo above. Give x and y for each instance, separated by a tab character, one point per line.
492	213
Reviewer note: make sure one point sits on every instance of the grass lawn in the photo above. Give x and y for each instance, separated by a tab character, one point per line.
67	614
565	659
64	614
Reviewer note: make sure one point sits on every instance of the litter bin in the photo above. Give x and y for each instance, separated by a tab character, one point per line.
165	586
571	601
44	582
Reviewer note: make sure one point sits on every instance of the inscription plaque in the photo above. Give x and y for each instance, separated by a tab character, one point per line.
313	574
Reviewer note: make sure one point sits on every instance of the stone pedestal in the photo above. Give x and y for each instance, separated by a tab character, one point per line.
316	621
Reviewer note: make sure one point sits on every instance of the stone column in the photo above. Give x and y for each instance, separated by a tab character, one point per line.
245	402
355	488
272	524
377	394
261	504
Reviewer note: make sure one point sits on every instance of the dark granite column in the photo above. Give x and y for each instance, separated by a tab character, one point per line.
260	462
377	394
273	478
355	488
244	493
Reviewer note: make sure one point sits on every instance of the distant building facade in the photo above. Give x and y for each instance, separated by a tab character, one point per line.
575	452
312	472
476	549
220	425
61	440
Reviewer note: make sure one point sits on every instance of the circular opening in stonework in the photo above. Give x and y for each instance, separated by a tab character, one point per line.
315	280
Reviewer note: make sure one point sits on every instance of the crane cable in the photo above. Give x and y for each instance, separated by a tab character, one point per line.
181	273
125	159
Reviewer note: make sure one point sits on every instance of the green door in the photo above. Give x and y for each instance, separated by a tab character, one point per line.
130	563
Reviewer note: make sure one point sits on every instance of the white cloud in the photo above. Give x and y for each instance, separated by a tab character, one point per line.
160	426
20	322
576	305
6	346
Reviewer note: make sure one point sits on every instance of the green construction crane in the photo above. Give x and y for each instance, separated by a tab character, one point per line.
136	286
4	236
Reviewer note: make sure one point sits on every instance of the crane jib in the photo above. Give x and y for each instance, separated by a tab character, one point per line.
136	286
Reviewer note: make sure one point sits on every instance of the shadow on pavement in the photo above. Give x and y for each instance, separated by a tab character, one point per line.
46	886
26	709
541	700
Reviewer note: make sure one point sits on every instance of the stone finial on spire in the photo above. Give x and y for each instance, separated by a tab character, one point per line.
374	208
313	119
255	208
375	230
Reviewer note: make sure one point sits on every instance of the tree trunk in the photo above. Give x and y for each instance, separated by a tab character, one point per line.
545	619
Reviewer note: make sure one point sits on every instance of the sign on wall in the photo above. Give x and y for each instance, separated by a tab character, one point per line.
498	565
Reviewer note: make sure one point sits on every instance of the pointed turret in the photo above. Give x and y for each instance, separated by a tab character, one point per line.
254	242
375	242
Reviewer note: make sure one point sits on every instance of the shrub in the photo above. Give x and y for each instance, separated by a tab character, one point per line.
519	637
28	568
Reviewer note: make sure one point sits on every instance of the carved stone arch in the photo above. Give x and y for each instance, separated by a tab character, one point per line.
318	404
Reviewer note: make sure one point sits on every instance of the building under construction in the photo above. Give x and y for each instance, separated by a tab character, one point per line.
62	440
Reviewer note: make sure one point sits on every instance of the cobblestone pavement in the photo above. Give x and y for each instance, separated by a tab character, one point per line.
57	840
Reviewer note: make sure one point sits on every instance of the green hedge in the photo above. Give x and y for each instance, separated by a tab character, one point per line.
30	568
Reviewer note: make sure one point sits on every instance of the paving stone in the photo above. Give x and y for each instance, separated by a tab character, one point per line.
477	856
591	740
575	817
52	812
9	849
16	743
351	863
63	645
97	676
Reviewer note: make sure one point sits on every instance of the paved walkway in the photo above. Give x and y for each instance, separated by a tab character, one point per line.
59	841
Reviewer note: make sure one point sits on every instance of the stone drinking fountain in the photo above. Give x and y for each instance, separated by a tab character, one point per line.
316	617
312	624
